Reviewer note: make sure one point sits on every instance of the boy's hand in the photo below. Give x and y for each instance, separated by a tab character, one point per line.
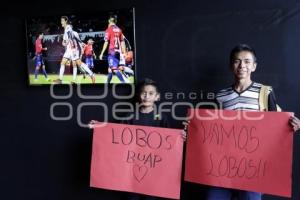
295	123
184	135
93	123
185	128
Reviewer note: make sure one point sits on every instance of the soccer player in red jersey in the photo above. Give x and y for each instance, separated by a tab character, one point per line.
89	54
114	40
39	61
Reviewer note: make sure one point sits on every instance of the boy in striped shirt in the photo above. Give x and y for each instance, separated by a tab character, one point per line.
243	95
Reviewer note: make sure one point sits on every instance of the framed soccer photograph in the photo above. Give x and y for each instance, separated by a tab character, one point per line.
94	48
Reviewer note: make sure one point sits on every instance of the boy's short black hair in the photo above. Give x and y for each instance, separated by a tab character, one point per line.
146	82
242	47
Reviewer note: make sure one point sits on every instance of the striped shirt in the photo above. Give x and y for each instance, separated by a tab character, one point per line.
230	99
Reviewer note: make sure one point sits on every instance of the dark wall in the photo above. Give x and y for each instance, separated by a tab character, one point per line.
183	45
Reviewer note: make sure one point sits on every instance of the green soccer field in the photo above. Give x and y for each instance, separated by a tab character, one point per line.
67	79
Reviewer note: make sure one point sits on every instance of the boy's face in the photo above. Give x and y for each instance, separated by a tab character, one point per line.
148	96
243	65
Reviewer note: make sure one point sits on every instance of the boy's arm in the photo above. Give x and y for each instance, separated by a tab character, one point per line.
272	104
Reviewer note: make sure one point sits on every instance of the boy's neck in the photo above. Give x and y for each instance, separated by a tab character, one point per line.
147	109
242	84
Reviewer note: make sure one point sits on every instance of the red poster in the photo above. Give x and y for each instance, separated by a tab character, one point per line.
138	159
242	150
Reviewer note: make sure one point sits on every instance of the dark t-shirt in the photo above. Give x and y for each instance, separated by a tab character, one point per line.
147	119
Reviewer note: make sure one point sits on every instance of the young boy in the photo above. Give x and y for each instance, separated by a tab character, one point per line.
243	95
147	94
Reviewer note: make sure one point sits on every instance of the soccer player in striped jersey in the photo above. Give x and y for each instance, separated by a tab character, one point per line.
114	40
73	52
39	61
243	95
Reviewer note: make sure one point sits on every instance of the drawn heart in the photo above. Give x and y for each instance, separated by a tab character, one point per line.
139	172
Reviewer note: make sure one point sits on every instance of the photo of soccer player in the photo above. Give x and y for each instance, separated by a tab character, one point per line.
70	45
126	61
114	40
89	54
39	61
